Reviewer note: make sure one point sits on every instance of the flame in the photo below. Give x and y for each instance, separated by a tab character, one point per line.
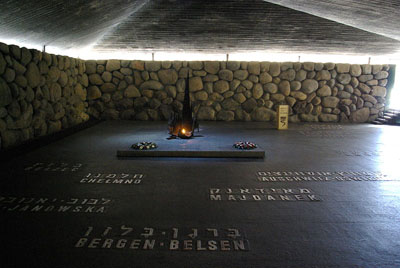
183	131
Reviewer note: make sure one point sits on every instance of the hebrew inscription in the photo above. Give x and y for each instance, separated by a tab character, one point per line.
55	205
321	176
63	167
358	153
324	131
372	153
324	126
172	239
262	194
112	178
324	134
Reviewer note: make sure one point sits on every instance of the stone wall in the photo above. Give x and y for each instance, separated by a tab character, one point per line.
243	91
40	94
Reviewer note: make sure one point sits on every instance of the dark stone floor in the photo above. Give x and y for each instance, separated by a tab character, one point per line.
324	196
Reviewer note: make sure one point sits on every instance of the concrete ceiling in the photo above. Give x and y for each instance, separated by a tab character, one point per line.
366	27
376	16
63	24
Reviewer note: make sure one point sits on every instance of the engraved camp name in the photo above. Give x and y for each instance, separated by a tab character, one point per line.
323	134
55	205
262	194
321	176
112	178
359	153
324	126
63	167
171	239
354	153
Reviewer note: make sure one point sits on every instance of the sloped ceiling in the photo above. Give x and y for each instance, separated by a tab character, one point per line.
376	16
63	24
308	26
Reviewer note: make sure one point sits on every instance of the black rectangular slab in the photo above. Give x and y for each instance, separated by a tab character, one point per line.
255	153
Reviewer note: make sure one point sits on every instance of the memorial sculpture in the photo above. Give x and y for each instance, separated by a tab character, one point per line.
182	124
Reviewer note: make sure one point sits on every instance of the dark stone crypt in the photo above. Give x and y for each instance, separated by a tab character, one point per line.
147	133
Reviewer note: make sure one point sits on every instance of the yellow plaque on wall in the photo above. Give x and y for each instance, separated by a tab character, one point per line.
283	116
